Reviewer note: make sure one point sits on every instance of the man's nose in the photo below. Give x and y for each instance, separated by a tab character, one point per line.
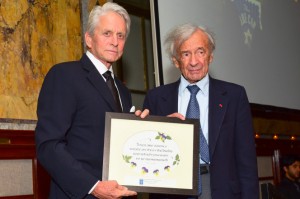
115	40
193	60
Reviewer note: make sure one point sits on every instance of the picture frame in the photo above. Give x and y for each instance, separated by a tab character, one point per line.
152	155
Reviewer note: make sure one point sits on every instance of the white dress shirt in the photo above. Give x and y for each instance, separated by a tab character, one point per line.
202	97
102	69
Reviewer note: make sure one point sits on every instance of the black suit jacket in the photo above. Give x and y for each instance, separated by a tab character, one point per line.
70	128
233	167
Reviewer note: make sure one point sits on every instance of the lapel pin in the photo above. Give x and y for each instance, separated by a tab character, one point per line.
221	105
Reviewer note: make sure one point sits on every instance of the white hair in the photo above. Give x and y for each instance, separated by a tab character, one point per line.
180	34
98	11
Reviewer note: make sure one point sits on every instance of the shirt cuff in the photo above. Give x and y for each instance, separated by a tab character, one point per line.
92	189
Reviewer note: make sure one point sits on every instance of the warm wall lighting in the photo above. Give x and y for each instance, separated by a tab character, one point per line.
275	137
293	137
256	135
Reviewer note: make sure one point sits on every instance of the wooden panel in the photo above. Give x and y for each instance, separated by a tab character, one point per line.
19	197
265	147
41	181
276	167
9	151
18	144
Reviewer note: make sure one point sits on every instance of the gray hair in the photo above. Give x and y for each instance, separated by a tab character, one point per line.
99	11
180	34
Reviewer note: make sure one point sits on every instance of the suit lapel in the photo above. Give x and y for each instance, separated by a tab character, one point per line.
97	81
169	99
218	103
123	95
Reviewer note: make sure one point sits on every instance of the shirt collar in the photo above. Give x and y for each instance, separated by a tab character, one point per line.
203	84
98	64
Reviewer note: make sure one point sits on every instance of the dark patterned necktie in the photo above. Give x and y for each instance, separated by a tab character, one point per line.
112	87
193	111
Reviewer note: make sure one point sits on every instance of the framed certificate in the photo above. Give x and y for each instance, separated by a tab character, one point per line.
152	155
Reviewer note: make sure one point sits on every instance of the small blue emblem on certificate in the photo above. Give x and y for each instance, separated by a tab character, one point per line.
141	181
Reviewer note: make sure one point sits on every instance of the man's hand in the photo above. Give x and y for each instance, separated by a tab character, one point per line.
178	115
142	114
111	190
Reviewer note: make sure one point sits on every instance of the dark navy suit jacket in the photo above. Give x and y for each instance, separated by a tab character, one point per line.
233	167
70	129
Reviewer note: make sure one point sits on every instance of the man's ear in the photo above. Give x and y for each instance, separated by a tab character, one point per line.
175	61
211	58
88	39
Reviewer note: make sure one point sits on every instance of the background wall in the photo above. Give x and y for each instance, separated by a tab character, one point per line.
34	35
